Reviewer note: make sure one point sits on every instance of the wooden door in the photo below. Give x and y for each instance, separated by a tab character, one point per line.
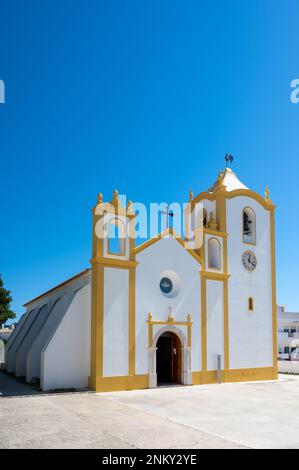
175	359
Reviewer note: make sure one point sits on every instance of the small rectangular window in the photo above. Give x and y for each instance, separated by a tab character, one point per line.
250	304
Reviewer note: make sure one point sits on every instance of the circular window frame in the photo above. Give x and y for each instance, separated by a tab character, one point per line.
176	283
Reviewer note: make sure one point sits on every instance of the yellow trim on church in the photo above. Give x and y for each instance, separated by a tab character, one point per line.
217	228
267	204
169	322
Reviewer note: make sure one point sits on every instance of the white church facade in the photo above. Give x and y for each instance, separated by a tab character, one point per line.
160	312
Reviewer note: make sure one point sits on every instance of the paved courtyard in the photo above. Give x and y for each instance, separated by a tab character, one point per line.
240	415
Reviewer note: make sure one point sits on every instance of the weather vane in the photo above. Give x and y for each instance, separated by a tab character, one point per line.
228	158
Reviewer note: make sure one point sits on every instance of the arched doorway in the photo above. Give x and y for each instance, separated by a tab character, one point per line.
169	359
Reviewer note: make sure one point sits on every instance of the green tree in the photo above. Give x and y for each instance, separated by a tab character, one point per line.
5	299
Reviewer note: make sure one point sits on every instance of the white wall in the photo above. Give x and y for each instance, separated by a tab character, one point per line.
33	356
26	325
288	367
215	330
28	339
166	254
116	317
16	331
65	360
250	333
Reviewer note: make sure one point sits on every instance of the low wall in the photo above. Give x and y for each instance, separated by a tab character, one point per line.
288	367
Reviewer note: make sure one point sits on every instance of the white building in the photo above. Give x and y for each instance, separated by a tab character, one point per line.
161	312
288	332
4	335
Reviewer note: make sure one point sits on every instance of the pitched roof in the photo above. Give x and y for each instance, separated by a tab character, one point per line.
59	286
228	179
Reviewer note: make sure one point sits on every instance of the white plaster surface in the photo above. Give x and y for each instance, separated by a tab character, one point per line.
33	356
288	367
215	331
231	181
28	339
16	331
65	360
250	333
116	317
166	254
18	337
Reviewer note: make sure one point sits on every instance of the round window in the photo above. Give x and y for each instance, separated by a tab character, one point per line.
170	284
166	285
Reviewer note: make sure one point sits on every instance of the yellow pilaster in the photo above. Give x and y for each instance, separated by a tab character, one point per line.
222	225
204	323
132	276
97	313
273	285
226	324
189	337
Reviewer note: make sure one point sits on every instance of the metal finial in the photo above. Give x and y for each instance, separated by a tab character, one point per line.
130	207
228	159
170	316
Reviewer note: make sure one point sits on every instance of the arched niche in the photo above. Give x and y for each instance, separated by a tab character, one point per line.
116	237
214	254
249	226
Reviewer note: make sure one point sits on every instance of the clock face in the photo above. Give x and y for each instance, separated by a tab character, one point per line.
249	260
166	285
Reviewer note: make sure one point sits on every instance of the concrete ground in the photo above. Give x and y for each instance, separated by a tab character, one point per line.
239	415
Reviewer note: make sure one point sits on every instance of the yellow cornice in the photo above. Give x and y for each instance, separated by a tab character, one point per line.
113	262
215	233
159	236
267	204
168	231
99	209
214	276
174	322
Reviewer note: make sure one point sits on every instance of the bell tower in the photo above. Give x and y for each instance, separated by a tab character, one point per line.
113	295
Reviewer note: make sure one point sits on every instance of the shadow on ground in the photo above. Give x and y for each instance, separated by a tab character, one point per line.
11	386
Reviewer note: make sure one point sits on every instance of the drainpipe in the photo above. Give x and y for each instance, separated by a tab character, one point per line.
219	371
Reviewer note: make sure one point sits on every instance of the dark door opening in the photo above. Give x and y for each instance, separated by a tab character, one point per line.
168	359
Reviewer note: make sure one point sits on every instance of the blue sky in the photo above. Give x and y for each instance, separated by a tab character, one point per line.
146	97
